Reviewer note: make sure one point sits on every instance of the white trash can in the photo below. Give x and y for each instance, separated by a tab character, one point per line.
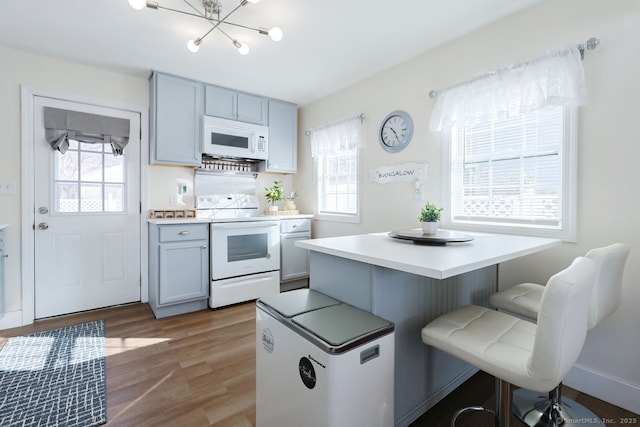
322	363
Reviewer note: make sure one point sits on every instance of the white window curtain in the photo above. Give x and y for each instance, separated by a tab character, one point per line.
336	138
556	79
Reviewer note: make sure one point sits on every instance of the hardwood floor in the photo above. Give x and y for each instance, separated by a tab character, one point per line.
198	369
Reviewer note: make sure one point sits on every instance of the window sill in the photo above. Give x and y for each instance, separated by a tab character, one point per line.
352	219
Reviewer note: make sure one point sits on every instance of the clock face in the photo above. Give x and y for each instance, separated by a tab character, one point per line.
396	131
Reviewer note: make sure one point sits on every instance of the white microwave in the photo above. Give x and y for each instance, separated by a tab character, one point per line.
229	138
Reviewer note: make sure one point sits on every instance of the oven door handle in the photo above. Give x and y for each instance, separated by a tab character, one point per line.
252	224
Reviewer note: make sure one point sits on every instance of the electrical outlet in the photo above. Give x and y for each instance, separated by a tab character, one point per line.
8	186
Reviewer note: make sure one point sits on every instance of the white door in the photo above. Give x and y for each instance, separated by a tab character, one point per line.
87	219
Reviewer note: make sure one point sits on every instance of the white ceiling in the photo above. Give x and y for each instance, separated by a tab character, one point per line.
327	44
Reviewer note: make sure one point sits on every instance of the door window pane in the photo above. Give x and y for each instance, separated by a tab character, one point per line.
113	168
67	166
66	197
114	198
89	179
90	166
91	197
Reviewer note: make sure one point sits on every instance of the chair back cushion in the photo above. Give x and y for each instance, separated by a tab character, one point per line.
562	323
605	298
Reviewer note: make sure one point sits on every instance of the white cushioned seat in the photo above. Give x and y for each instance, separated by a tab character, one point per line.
522	299
492	341
534	356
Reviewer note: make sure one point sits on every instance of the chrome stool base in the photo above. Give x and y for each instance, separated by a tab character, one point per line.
474	408
537	410
502	414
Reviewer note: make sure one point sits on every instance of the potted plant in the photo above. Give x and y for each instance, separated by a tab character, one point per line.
430	218
273	194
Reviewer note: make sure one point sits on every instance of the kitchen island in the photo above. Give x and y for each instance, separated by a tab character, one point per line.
410	285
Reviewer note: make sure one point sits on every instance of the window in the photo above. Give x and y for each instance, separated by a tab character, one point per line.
337	184
88	178
335	149
515	175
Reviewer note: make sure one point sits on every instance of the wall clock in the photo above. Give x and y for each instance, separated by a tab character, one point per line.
396	131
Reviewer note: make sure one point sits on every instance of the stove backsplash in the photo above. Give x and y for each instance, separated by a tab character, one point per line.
167	186
233	195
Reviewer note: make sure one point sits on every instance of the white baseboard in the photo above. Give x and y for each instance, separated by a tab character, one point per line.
11	319
610	390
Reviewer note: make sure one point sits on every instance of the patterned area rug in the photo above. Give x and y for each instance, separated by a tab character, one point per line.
54	378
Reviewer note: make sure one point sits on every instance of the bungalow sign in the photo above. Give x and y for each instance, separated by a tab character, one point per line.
399	173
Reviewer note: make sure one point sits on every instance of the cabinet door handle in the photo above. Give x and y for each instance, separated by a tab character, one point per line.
183	233
203	247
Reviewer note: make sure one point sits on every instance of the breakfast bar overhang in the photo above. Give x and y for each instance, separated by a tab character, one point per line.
411	284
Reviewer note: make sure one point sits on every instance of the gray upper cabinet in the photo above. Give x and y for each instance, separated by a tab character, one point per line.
177	106
283	137
231	104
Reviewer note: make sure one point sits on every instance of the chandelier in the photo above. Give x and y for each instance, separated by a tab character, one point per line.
211	11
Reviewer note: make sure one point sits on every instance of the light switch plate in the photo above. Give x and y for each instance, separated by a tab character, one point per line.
7	186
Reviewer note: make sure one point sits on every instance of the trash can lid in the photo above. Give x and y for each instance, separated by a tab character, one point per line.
343	326
298	301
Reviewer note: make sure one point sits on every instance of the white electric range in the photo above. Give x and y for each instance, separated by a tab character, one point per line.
244	246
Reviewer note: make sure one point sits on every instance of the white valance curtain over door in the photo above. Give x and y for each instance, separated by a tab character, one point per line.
555	79
336	138
64	125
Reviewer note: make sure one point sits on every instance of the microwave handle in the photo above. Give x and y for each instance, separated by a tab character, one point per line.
252	224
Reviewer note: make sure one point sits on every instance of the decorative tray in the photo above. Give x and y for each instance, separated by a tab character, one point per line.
440	237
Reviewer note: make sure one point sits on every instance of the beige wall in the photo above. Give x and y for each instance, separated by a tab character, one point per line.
609	148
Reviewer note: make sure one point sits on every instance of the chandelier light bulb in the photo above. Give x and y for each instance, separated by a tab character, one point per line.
194	45
138	4
276	34
243	48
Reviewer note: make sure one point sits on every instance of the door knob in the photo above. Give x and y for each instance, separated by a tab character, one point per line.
43	226
43	210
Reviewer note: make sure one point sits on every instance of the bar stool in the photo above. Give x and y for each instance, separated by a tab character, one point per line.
524	299
516	351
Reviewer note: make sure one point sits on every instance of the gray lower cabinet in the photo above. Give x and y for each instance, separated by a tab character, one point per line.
233	105
178	268
294	261
283	137
177	107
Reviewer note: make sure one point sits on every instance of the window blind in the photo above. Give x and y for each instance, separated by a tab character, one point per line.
338	183
509	171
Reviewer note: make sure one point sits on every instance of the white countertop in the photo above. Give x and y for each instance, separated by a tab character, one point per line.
435	261
207	220
3	226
